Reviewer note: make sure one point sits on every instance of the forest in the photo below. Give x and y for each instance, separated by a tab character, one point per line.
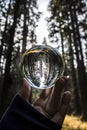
67	27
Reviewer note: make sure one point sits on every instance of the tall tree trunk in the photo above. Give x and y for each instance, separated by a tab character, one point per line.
5	34
62	41
7	76
75	84
74	78
24	29
80	63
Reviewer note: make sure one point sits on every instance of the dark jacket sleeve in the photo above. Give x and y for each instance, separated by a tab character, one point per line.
22	116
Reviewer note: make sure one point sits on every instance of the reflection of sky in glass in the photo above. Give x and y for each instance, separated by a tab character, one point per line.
41	71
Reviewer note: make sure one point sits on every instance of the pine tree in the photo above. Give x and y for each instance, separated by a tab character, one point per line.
66	18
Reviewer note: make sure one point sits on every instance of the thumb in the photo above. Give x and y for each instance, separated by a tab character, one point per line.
25	90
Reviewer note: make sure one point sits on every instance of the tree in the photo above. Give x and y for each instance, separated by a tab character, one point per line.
44	41
20	24
66	17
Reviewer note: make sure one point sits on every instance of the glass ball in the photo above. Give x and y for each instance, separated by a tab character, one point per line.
42	65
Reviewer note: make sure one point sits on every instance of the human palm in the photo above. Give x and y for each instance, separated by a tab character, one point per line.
51	102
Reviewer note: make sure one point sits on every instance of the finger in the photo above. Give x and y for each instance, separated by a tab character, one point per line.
60	115
45	93
42	98
25	90
54	99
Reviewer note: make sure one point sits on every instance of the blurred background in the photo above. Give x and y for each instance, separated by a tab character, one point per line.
60	23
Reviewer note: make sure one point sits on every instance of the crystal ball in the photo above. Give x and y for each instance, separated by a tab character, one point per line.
42	65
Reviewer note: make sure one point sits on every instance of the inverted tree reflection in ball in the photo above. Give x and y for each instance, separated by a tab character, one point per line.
42	66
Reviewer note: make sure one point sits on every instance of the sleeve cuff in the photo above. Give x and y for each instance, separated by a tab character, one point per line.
21	114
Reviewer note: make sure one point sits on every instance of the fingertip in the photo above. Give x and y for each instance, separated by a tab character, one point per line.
64	79
61	82
66	97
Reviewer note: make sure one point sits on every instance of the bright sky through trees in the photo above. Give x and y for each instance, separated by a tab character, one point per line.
42	28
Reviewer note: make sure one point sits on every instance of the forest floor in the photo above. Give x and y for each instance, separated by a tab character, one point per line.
74	123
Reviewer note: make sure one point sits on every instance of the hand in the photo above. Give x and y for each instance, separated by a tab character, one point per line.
51	102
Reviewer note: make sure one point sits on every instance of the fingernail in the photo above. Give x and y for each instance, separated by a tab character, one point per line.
67	97
63	80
